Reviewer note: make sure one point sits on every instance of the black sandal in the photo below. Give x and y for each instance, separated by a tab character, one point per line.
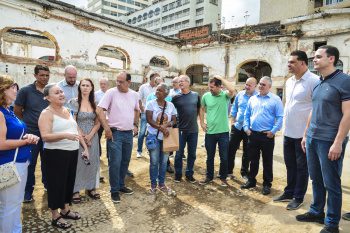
62	225
94	196
76	200
67	216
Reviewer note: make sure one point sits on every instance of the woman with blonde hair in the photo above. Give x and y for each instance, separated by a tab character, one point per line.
59	131
14	143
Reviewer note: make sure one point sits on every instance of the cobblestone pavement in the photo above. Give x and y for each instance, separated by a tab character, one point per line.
196	208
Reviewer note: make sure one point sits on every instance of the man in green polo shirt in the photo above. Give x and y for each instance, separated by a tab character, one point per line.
215	105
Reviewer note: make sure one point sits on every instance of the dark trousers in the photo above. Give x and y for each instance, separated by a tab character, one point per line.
222	140
257	142
36	149
61	167
236	136
296	164
191	140
99	132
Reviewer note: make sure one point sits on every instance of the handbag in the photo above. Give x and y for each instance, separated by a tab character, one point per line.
8	172
171	143
152	139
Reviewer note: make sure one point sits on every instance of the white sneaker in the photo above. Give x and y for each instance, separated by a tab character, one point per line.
138	155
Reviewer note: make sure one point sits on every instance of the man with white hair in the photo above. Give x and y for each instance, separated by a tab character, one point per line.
262	119
69	84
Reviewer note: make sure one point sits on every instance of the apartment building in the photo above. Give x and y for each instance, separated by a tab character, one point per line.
275	10
168	17
116	8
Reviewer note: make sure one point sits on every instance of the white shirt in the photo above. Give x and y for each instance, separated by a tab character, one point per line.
98	96
298	103
144	91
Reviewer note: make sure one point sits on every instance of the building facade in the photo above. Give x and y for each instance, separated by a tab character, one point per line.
116	8
168	17
296	8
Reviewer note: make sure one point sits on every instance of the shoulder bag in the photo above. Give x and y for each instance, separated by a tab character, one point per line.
8	172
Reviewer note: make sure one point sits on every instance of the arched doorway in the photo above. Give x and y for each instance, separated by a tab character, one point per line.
254	68
198	74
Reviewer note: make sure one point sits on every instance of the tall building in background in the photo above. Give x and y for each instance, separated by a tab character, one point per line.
116	8
168	17
296	8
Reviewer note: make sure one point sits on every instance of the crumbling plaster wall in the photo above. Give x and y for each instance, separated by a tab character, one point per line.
78	45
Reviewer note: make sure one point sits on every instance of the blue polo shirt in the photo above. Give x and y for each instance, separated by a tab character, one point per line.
238	108
32	101
264	113
327	100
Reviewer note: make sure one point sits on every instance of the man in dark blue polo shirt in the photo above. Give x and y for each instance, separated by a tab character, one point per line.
187	104
325	139
28	106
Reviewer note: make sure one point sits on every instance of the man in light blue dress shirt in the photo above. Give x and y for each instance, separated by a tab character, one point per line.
263	118
69	84
237	132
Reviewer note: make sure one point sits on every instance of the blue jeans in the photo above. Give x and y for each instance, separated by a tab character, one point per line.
142	132
191	139
31	170
119	154
325	175
296	164
158	164
222	139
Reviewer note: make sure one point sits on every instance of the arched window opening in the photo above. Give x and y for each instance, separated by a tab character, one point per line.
256	69
199	74
30	44
159	61
112	57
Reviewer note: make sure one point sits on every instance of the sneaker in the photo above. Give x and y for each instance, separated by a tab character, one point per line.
170	170
206	181
309	217
294	204
346	216
224	183
177	179
283	198
126	190
191	179
165	189
139	155
266	190
153	189
230	176
115	197
248	185
330	230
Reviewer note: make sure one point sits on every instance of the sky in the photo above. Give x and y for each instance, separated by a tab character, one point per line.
233	11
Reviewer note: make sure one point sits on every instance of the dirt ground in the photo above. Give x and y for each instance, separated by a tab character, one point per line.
195	209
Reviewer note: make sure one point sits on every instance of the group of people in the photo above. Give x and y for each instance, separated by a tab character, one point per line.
64	123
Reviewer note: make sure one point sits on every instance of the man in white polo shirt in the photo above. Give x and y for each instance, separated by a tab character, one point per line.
298	105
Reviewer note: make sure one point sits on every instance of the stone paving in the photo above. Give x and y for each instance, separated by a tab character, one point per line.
196	208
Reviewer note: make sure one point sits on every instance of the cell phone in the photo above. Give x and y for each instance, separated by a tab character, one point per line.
85	159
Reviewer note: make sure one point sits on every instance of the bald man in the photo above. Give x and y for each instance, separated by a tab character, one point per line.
237	132
69	84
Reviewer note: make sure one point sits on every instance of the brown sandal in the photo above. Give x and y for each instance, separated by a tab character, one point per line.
94	195
58	224
74	216
76	200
